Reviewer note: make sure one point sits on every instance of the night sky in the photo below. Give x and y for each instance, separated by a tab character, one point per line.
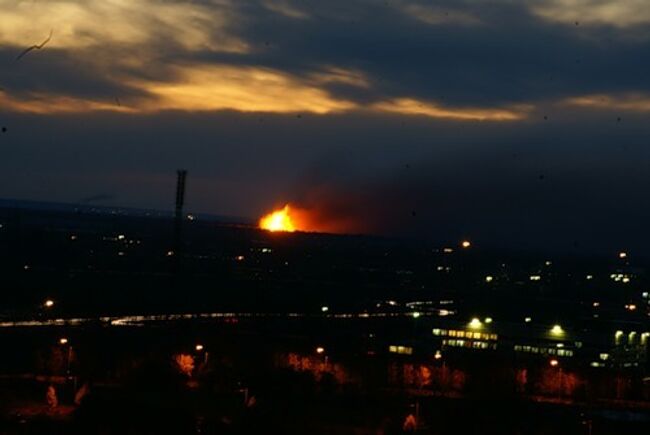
521	124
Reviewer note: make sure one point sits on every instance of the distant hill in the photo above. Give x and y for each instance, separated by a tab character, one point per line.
115	210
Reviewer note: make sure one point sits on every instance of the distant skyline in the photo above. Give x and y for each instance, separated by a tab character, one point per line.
521	124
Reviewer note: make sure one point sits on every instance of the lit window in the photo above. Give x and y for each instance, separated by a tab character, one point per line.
618	336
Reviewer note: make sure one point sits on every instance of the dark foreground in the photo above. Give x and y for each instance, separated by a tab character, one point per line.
269	377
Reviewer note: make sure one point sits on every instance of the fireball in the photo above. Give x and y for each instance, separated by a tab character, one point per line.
279	220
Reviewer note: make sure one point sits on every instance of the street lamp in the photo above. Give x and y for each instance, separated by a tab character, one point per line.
49	303
557	330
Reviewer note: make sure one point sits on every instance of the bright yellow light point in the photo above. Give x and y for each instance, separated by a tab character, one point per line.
554	363
466	244
198	347
49	303
279	220
320	350
63	340
557	330
475	323
622	254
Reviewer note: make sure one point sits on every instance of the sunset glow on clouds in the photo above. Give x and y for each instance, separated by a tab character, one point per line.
429	112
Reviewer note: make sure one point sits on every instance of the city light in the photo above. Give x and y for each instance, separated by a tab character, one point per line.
324	309
466	244
320	350
475	323
437	355
49	303
489	278
557	330
63	340
528	319
415	314
198	347
554	363
488	320
622	254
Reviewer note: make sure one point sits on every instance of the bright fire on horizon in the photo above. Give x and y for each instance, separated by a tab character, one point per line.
279	220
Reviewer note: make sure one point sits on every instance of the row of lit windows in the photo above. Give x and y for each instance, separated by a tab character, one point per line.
469	344
403	350
621	338
543	350
465	334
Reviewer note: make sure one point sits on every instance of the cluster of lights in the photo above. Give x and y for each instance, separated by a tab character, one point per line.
620	277
535	278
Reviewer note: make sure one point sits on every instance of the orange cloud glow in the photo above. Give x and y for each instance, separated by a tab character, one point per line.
245	89
408	106
628	102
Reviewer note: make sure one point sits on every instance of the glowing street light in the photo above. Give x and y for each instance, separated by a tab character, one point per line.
415	314
466	244
437	355
198	347
324	309
320	350
49	303
475	323
554	363
622	255
557	330
488	320
63	340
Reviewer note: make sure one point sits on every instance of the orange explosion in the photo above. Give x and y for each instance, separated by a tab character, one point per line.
279	220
